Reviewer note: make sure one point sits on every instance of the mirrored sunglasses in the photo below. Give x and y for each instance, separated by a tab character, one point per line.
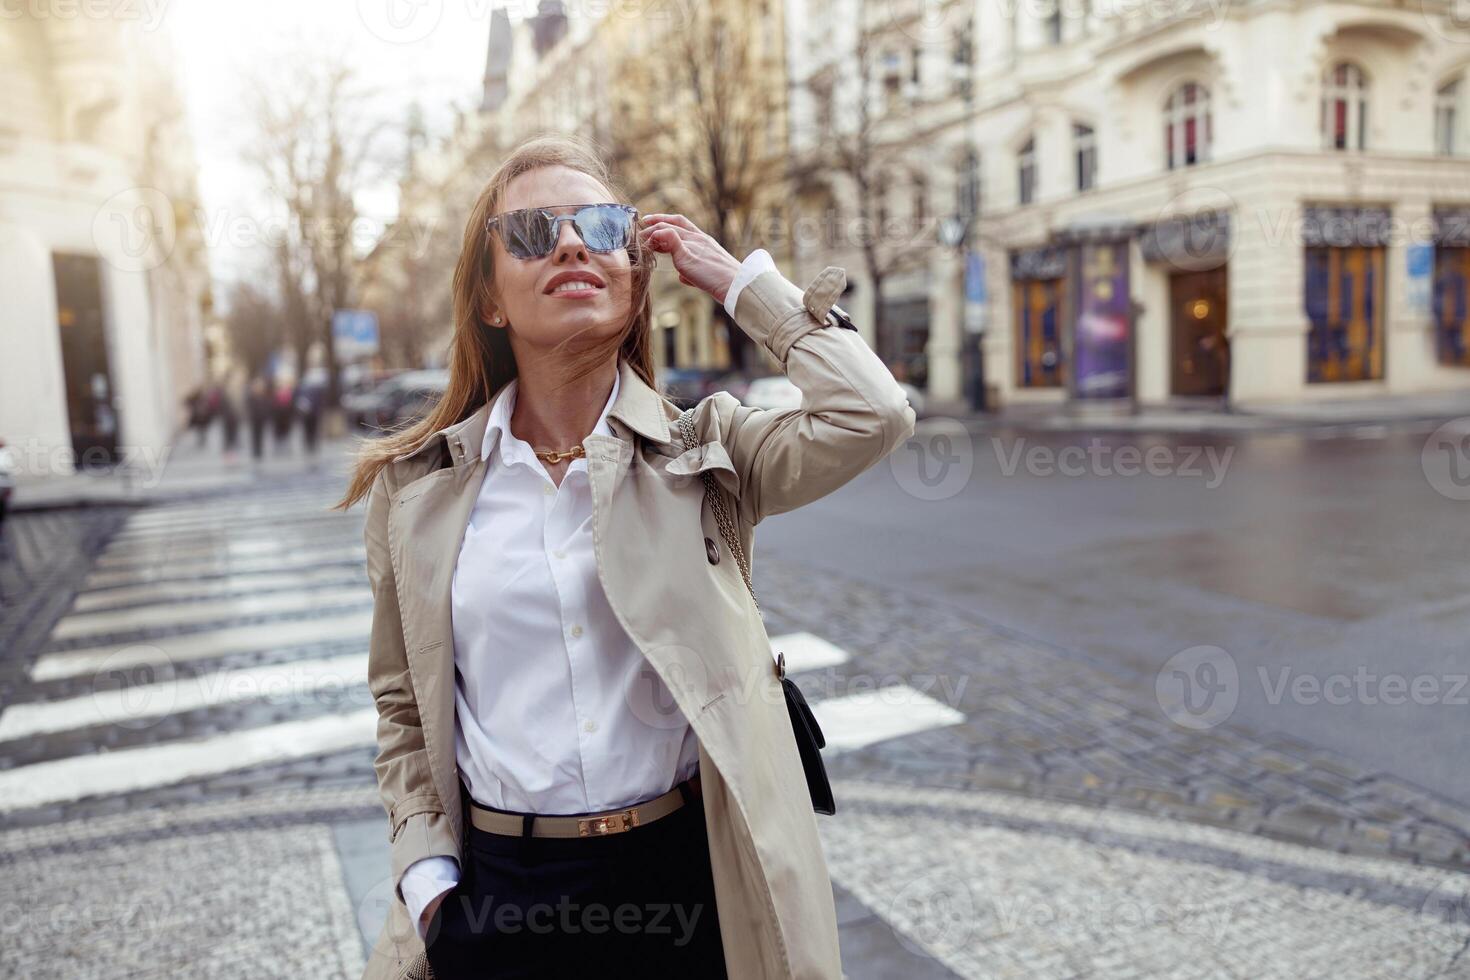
531	233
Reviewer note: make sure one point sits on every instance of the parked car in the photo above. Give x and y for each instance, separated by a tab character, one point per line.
686	386
7	478
400	399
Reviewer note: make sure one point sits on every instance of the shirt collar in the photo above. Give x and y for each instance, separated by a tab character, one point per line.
516	449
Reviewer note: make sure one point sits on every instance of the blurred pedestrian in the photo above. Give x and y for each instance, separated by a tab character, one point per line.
283	412
258	401
311	396
233	408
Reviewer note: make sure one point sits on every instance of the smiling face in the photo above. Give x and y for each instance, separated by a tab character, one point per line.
526	297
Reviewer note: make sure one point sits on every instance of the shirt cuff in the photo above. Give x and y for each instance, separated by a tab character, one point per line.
755	263
426	878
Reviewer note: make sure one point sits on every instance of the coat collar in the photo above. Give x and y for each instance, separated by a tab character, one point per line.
639	407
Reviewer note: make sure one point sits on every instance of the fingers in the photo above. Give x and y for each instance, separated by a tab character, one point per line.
673	219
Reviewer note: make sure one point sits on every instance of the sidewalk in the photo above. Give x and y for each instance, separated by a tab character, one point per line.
1394	410
180	470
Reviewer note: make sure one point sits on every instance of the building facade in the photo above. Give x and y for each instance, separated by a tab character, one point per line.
1248	200
102	265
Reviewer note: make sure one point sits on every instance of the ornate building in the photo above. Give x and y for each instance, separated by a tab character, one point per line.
1243	199
102	262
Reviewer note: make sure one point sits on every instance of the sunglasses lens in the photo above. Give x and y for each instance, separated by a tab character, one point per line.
527	234
604	228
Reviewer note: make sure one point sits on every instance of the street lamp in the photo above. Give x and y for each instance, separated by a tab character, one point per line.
954	230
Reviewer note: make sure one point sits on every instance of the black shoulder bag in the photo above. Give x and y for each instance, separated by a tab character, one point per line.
809	738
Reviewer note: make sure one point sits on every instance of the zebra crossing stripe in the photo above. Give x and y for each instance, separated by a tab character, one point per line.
138	705
160	652
170	614
194	589
215	565
127	770
807	651
228	550
856	720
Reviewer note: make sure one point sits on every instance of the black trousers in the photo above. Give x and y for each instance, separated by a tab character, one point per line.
640	903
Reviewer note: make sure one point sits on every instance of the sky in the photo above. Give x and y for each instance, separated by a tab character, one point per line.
432	51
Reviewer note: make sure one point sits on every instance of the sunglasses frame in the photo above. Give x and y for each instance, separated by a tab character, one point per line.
557	219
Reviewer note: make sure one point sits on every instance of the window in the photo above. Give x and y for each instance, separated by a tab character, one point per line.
1187	130
967	184
921	199
1084	142
1054	22
892	80
1345	107
1026	172
1446	105
880	197
964	59
915	63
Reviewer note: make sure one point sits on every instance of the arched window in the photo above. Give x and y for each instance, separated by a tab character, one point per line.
1446	117
1084	145
1188	133
967	183
1345	107
1026	172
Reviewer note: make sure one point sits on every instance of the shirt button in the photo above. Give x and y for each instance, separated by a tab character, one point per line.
576	630
590	726
559	553
548	489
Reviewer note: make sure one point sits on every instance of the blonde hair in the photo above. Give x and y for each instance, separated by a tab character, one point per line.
480	357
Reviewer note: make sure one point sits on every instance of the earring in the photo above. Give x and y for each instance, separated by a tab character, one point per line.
496	321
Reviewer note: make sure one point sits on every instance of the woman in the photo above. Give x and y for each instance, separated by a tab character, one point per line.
584	751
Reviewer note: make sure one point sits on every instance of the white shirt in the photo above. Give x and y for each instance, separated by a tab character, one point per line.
556	710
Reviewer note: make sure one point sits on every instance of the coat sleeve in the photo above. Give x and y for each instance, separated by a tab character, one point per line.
418	825
852	414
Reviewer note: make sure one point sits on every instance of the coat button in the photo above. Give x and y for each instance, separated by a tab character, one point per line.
711	551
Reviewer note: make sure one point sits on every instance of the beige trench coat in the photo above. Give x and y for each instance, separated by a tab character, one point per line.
693	619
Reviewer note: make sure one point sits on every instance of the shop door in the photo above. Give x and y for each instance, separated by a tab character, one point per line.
1344	300
1452	305
85	364
1038	332
1201	359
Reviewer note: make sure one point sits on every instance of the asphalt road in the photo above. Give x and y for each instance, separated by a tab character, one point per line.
1321	568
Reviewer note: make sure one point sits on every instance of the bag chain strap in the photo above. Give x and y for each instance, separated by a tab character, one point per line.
717	504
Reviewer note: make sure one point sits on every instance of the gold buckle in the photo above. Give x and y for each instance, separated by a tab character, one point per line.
612	823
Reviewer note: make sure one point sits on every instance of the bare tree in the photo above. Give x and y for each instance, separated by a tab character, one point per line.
315	140
697	138
254	323
854	141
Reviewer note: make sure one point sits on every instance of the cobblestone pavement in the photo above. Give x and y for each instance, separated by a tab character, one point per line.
186	780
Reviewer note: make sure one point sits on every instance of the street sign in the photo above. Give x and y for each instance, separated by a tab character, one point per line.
355	333
976	296
1419	257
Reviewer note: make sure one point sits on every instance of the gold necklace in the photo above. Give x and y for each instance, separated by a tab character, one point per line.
552	456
